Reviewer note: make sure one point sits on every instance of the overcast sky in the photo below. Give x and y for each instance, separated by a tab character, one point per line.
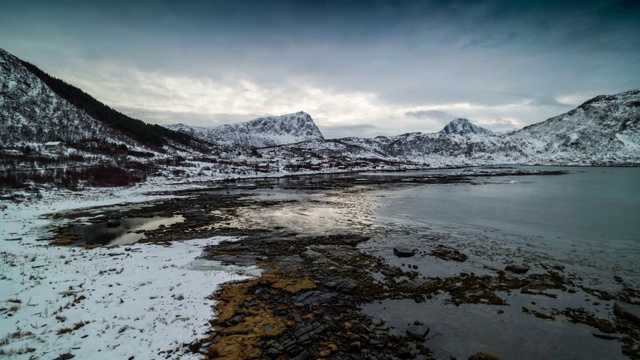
359	68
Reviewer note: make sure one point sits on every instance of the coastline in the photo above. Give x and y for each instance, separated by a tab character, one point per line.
292	262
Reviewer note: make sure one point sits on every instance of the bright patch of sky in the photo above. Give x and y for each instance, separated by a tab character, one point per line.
359	68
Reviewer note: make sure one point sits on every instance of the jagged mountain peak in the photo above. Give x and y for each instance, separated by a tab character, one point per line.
463	126
259	132
298	124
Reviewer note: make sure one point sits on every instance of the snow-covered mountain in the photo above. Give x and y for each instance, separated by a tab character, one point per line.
36	108
31	112
603	130
462	126
256	133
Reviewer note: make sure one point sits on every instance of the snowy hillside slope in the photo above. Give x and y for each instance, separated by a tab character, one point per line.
462	126
260	132
31	112
603	129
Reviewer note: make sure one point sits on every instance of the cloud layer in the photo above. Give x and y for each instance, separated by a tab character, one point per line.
358	67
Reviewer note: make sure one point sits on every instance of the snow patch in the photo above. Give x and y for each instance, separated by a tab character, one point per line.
145	300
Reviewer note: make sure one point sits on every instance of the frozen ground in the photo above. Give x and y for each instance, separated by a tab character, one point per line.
138	302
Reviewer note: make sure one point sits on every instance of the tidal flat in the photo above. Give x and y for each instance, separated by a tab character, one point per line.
409	265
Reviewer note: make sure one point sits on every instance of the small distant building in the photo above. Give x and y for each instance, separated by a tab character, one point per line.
54	146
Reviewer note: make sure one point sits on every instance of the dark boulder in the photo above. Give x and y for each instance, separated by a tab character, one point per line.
628	312
517	269
483	356
403	251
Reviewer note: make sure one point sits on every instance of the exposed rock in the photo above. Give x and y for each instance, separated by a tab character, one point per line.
605	336
312	254
483	356
449	254
517	269
65	356
113	223
403	251
355	346
627	312
418	330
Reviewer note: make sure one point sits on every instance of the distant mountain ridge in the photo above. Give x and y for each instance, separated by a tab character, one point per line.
603	131
256	133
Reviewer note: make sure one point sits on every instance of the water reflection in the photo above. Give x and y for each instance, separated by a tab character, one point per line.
312	212
129	231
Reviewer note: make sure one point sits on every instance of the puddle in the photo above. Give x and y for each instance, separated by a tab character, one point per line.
130	230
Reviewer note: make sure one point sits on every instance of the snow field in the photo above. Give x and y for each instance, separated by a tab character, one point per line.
144	301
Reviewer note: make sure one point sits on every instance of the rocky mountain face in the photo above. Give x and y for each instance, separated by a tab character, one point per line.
462	126
54	133
36	107
256	133
31	112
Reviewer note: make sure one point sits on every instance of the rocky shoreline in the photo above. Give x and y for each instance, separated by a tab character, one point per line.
308	302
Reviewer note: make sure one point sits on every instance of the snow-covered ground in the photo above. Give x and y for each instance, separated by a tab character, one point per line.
142	301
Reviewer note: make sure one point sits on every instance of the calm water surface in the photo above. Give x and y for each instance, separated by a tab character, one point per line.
598	206
587	221
589	211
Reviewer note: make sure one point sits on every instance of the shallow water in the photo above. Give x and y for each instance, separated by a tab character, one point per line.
585	221
589	217
460	331
128	232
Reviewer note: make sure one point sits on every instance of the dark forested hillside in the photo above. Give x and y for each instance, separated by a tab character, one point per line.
141	131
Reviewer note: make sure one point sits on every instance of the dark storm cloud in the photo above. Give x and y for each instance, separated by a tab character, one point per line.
490	56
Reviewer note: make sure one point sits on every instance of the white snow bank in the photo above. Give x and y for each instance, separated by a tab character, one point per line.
144	301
